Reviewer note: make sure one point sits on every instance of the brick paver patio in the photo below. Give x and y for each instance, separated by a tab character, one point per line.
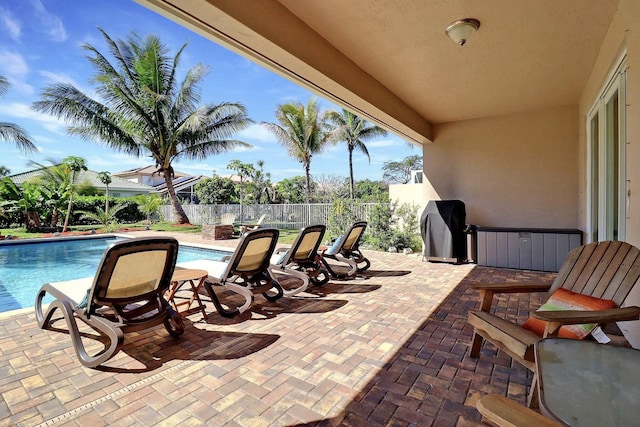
387	349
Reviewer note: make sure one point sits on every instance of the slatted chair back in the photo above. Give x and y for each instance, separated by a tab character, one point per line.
305	247
606	270
253	253
352	237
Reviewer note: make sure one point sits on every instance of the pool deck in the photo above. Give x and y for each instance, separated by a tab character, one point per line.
387	349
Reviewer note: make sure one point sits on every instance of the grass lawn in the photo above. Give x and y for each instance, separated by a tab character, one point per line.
20	233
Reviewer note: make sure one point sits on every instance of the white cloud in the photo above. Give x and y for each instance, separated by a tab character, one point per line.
195	168
383	143
58	77
51	24
256	132
13	26
117	162
13	65
244	149
24	111
64	78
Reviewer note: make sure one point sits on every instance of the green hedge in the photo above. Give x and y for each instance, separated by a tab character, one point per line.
129	214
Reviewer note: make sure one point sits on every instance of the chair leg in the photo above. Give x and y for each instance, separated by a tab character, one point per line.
115	336
331	271
476	345
216	302
174	324
297	274
533	397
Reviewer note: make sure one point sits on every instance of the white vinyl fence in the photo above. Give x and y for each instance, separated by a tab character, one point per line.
278	216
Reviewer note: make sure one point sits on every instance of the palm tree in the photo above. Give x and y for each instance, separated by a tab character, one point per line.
59	183
145	110
301	132
105	178
354	131
73	165
13	132
103	217
148	204
25	199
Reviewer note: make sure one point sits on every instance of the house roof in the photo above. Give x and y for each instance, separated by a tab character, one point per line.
145	170
391	62
117	183
179	183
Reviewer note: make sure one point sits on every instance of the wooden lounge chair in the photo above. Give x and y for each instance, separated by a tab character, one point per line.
246	272
252	226
126	294
301	260
346	250
603	270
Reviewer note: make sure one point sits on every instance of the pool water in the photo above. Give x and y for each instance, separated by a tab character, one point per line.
25	267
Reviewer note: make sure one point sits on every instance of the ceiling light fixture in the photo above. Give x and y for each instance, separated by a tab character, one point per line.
459	31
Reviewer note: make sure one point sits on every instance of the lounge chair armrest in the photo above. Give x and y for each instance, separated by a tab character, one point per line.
280	250
511	287
576	317
488	289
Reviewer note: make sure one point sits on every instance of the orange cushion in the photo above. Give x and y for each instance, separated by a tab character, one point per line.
563	299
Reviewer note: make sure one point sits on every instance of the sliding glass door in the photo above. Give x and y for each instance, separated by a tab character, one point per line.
607	183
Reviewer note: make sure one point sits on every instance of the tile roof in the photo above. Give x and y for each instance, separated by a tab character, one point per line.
117	184
146	170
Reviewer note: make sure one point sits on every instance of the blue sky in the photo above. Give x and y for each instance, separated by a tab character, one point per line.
40	44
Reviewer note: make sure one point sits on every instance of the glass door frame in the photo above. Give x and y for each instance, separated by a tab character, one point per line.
607	189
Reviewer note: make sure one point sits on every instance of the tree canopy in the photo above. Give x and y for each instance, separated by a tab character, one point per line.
216	190
301	130
400	172
143	110
354	131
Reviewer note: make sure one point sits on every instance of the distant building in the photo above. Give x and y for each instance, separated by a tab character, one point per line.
147	175
183	183
117	188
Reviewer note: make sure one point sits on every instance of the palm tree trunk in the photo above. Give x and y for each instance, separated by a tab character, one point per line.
66	218
106	202
54	217
306	170
178	212
351	173
32	220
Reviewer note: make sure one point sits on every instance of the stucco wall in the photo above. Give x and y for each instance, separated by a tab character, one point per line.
517	170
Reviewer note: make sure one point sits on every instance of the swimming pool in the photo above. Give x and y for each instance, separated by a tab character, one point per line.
24	267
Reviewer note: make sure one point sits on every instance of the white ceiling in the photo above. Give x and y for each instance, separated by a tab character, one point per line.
391	60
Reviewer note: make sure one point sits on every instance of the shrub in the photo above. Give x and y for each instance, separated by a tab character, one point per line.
341	217
393	226
129	212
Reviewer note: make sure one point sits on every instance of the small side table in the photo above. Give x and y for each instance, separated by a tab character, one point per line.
179	278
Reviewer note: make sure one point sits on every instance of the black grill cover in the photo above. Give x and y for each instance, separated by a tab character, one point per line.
442	227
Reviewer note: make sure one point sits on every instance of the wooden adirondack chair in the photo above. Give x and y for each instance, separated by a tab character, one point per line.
606	270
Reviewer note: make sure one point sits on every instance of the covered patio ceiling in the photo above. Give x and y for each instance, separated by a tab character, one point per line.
390	60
